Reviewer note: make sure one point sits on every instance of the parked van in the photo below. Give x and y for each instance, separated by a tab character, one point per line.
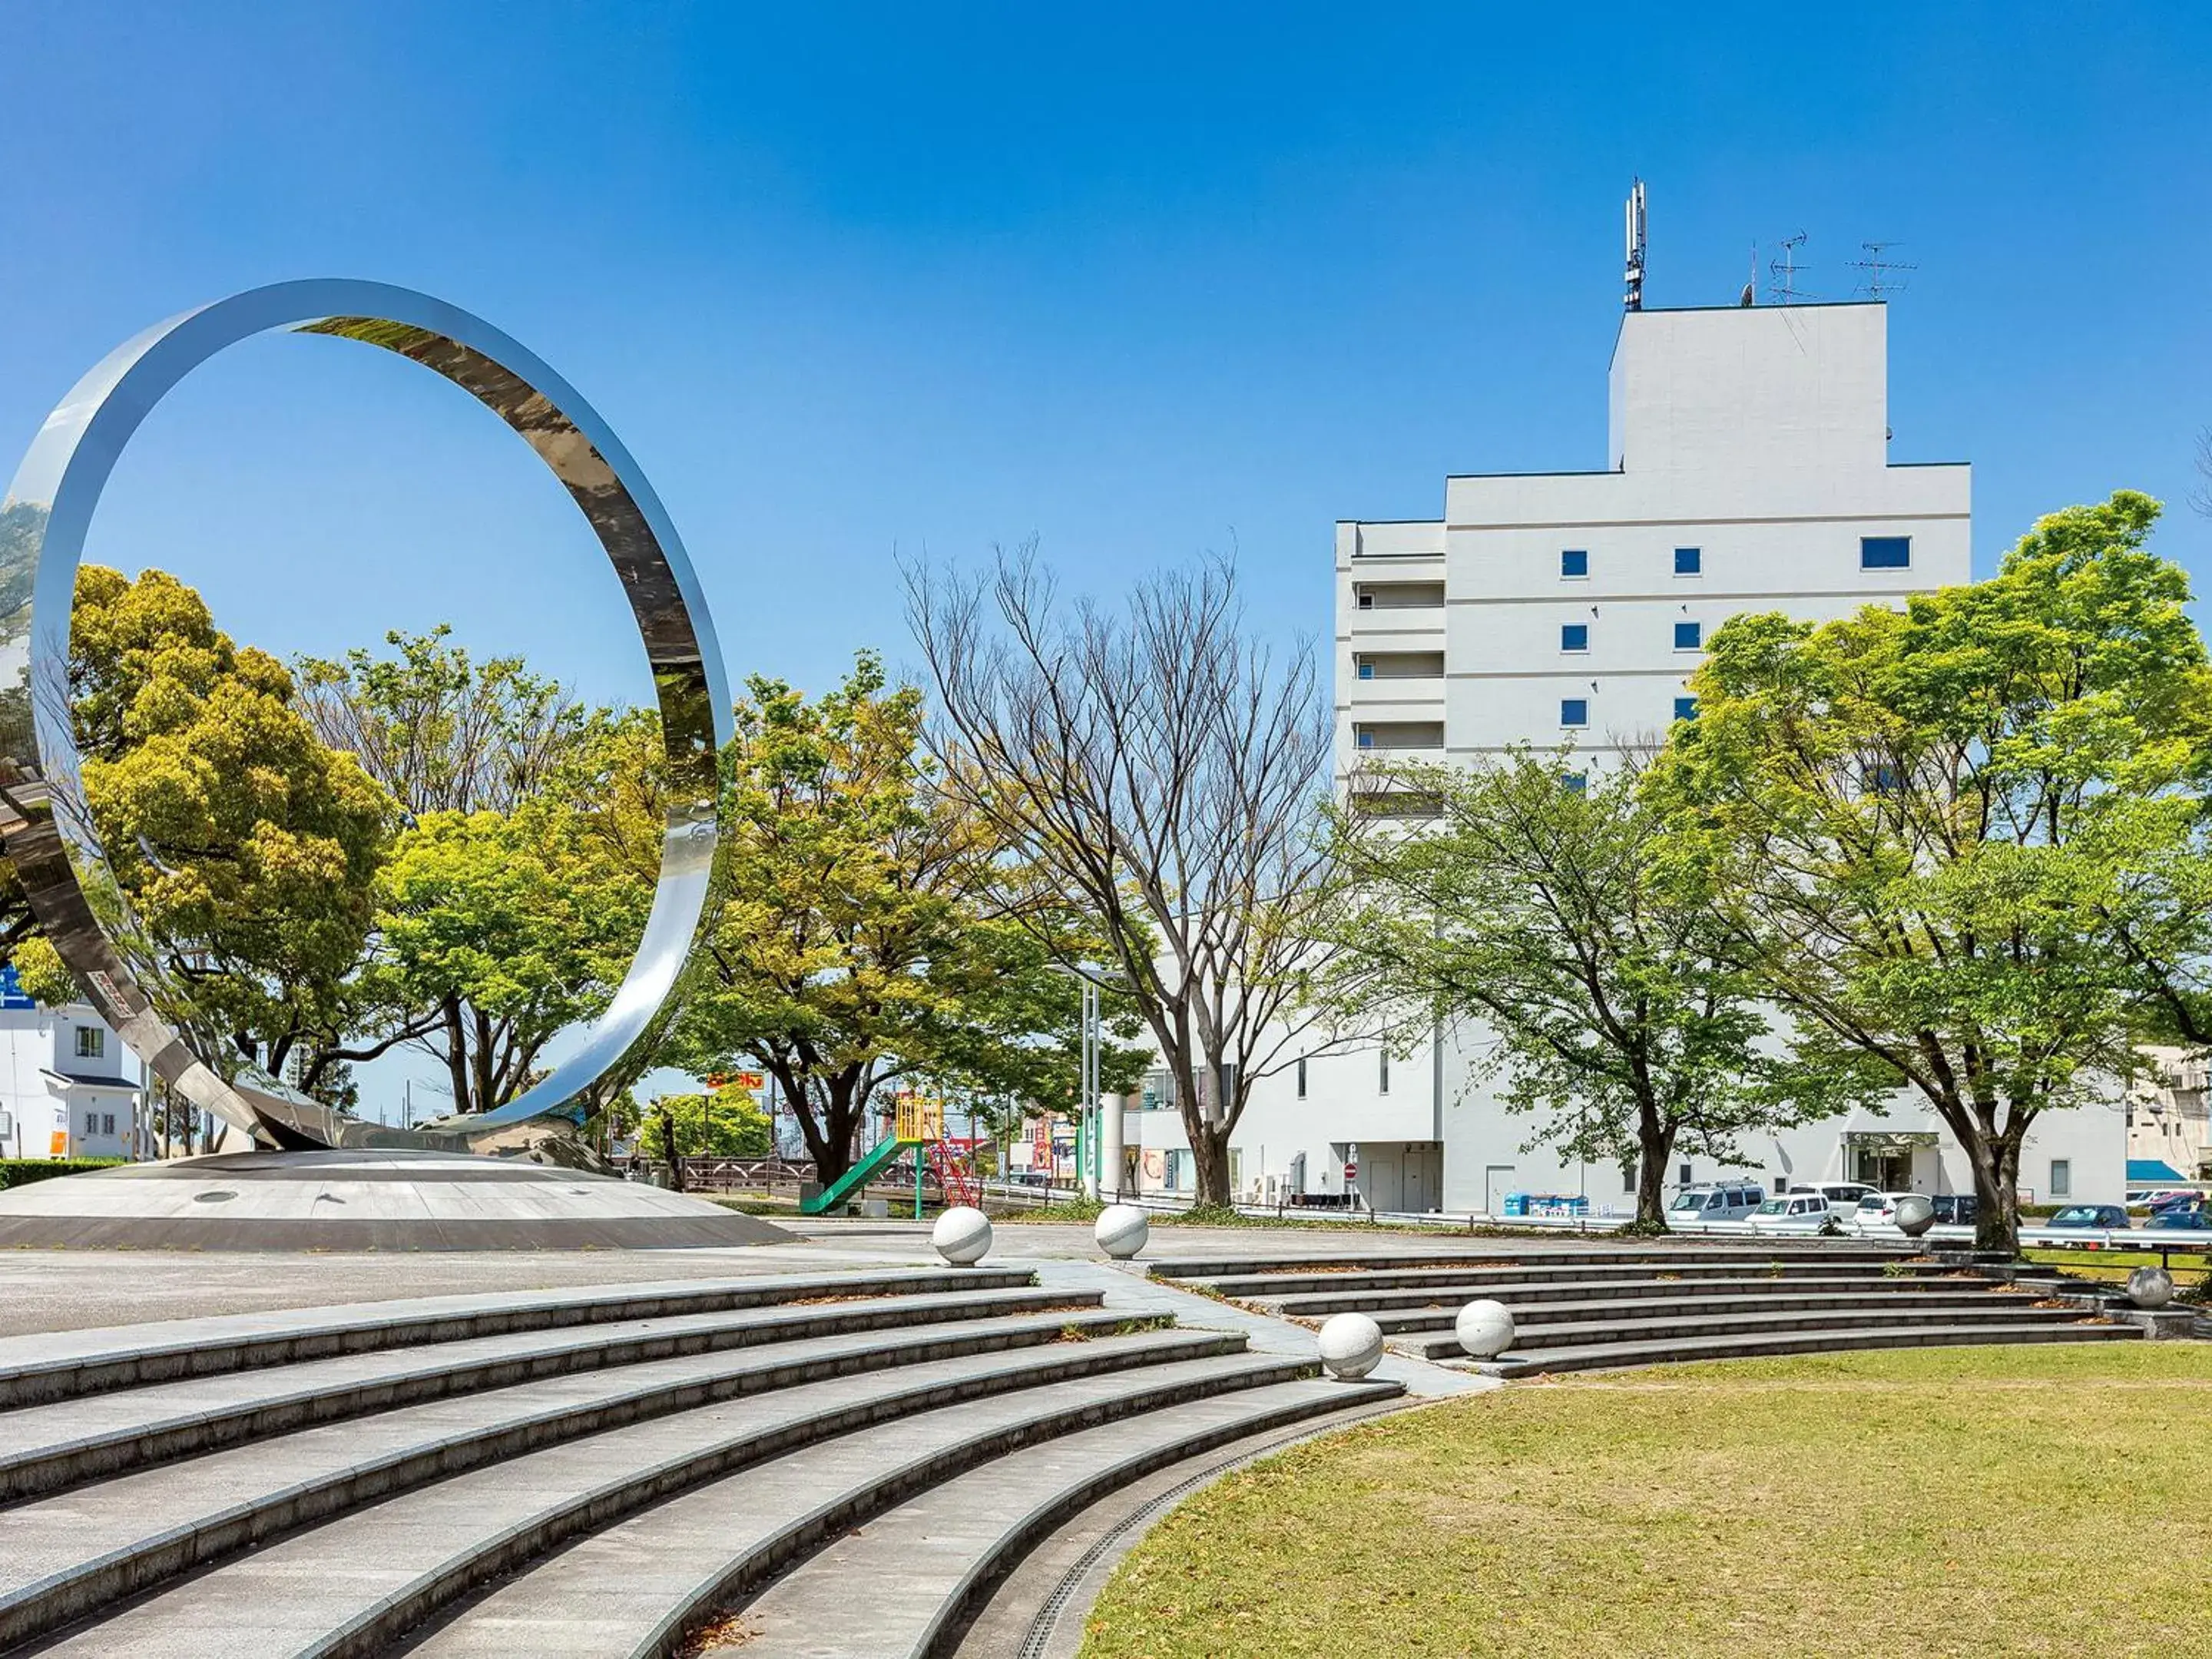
1719	1202
1791	1212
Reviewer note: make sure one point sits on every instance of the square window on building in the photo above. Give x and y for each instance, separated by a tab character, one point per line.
1574	561
1366	670
92	1123
107	1123
1689	636
1689	561
91	1043
2062	1178
1686	708
1574	711
1366	740
1575	783
1884	552
1366	600
1685	1175
1574	636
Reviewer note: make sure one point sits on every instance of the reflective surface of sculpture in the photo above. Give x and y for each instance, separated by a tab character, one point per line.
47	830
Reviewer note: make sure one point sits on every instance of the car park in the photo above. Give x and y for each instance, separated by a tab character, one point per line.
1722	1202
1791	1212
2105	1216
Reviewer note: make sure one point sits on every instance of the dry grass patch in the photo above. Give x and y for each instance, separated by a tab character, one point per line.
1998	1501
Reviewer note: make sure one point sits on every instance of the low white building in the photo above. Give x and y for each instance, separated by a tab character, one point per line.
69	1088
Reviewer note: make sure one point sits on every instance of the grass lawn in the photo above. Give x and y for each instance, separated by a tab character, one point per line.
1934	1501
2117	1264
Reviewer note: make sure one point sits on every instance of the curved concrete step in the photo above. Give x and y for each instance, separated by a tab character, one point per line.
1514	1294
1251	1286
73	1552
354	1585
1613	1355
63	1365
1727	1252
1670	1310
2006	1312
927	1562
50	1446
642	1584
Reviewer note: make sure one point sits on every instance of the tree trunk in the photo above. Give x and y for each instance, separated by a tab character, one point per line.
668	1148
830	1130
1209	1152
1995	1161
1655	1151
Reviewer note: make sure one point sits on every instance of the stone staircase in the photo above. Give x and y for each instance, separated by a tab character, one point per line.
600	1472
1592	1308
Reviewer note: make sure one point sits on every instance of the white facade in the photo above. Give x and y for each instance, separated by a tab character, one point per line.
1748	469
69	1088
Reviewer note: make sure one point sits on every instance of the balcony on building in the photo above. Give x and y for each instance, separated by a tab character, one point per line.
1383	608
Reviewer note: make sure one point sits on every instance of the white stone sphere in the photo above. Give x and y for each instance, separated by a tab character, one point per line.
2150	1287
1915	1214
961	1236
1350	1345
1122	1230
1484	1328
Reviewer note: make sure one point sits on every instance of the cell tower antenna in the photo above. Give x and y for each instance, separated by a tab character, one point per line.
1782	288
1880	271
1633	300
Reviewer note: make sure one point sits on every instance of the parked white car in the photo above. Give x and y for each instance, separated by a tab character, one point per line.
1876	1212
1790	1212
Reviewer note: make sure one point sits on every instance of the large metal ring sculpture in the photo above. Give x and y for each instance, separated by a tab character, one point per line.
47	832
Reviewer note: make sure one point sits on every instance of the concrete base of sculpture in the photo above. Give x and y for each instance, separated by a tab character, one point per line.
363	1200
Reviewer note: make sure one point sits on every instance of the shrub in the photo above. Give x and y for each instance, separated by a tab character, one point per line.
22	1171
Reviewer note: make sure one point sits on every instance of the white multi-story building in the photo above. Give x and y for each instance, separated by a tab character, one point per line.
69	1088
1748	469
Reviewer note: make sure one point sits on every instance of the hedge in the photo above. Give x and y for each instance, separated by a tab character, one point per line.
22	1171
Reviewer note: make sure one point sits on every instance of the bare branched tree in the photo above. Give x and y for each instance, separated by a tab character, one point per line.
1166	770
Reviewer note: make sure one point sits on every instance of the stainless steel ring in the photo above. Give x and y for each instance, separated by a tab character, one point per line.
43	823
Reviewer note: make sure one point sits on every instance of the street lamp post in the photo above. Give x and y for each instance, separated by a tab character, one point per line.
1090	1150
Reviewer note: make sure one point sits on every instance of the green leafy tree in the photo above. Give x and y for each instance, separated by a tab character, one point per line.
518	886
1533	903
1924	827
247	846
724	1122
497	930
857	944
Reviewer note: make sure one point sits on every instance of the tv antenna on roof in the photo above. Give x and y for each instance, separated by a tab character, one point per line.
1784	288
1876	283
1633	299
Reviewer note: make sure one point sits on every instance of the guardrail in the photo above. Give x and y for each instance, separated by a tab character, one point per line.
2166	1242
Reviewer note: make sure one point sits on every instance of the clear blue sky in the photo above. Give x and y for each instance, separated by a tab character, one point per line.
1140	281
